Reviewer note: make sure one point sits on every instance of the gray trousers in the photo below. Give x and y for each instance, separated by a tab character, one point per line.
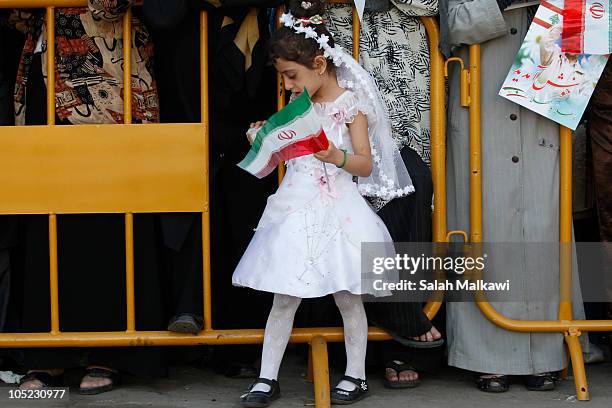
520	189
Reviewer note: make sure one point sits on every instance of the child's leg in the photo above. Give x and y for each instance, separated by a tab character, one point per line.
276	337
355	335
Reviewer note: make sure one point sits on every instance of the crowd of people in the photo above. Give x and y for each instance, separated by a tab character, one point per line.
382	134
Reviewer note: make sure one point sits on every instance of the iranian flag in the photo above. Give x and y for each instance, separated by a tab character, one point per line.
587	25
292	132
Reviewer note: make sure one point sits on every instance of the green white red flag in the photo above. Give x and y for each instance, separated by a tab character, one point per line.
587	24
294	131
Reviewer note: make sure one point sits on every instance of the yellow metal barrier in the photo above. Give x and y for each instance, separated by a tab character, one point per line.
35	189
51	170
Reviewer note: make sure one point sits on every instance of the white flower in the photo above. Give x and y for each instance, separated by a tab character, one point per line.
310	32
287	19
323	40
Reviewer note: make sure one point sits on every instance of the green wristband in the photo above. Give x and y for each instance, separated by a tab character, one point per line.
343	160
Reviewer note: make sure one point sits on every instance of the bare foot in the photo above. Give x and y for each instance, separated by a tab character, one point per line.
405	375
432	335
37	384
95	382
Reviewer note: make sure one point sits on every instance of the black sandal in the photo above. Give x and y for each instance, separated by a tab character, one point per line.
343	397
498	383
259	399
45	378
540	382
101	373
398	367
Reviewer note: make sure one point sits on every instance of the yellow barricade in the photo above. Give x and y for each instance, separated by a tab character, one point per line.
46	179
51	170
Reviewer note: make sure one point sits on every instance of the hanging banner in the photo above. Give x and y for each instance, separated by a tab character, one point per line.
546	79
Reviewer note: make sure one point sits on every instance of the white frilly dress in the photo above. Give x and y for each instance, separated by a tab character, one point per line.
308	241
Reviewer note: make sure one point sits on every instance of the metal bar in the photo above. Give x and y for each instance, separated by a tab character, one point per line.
127	67
320	368
50	37
164	338
475	147
129	217
438	130
53	274
575	351
204	118
437	142
53	268
565	223
129	272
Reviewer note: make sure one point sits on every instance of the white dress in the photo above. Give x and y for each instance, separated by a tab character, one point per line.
308	241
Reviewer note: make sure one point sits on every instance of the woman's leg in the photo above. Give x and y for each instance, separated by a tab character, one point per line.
276	337
355	336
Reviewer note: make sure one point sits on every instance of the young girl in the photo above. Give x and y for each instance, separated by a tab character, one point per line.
308	241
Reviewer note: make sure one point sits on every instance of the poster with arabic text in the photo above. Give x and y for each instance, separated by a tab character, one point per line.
546	78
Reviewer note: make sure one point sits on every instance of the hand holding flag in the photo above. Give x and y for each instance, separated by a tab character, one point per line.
294	131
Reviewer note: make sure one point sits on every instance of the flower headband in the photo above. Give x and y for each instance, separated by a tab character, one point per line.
333	53
299	27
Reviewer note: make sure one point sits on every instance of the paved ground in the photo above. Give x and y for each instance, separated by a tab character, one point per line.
190	387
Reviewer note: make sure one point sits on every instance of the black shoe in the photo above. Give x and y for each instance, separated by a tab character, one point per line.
343	397
258	399
540	382
185	323
499	383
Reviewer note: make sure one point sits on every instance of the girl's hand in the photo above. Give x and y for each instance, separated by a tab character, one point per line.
253	129
332	155
257	124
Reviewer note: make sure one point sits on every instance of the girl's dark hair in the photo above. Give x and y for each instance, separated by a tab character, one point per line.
287	44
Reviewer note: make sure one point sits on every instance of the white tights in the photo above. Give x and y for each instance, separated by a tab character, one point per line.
280	324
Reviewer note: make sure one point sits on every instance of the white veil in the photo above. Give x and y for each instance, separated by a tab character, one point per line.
389	178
